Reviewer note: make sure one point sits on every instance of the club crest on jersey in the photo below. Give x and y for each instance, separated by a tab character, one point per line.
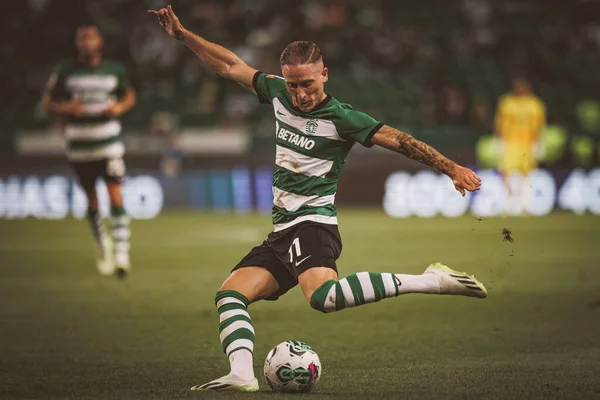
311	127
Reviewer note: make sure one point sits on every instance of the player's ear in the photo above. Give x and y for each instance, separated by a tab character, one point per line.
325	74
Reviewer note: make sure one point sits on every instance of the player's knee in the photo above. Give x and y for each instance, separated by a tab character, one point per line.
226	286
321	300
232	287
229	296
255	283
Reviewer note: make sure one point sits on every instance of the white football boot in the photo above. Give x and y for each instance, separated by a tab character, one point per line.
105	261
457	283
123	265
230	382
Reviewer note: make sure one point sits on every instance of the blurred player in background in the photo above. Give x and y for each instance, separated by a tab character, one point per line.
520	116
315	132
89	94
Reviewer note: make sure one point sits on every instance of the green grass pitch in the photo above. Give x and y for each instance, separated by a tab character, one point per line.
67	333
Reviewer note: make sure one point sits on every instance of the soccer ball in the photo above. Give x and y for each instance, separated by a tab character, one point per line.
292	367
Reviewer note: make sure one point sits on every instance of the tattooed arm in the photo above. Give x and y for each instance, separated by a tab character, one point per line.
407	145
403	143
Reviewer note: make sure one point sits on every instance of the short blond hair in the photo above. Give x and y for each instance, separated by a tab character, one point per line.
300	52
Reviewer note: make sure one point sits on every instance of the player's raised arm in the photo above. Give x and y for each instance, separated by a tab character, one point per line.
223	61
403	143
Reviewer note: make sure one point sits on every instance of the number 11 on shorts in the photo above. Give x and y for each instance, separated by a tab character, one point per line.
296	246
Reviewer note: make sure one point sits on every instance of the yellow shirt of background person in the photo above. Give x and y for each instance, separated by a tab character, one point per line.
519	119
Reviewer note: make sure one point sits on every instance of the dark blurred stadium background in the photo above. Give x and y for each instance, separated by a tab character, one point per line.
434	68
200	152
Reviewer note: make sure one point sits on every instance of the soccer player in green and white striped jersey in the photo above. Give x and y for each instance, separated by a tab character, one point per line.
89	94
314	134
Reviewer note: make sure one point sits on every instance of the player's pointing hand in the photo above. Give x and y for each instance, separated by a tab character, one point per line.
465	179
168	20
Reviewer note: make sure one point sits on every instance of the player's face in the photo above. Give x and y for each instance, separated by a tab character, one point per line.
306	84
521	87
88	40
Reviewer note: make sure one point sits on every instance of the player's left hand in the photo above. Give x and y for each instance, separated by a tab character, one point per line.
168	20
464	179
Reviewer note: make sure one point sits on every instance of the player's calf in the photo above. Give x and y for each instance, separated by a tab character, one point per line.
121	234
119	220
236	332
104	258
354	290
237	341
97	226
371	287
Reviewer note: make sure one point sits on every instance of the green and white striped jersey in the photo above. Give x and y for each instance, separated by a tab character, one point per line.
311	150
92	136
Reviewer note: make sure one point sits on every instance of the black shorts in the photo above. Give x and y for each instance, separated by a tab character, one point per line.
110	169
288	253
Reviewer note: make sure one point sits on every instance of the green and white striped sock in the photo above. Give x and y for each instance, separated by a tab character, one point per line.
121	233
369	287
236	332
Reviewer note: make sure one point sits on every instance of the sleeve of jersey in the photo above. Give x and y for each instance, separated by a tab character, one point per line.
267	86
358	126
